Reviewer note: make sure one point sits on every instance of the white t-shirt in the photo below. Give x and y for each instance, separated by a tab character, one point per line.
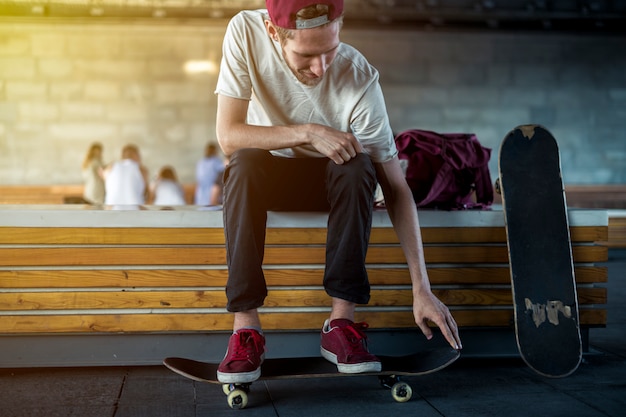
348	98
168	193
125	184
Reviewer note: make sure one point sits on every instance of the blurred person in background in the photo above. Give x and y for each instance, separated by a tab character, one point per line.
93	177
208	170
166	189
126	180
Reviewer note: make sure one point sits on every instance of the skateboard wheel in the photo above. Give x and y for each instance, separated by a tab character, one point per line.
237	399
401	392
227	388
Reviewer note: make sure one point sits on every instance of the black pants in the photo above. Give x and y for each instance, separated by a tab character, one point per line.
255	182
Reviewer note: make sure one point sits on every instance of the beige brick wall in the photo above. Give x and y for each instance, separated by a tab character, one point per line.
66	84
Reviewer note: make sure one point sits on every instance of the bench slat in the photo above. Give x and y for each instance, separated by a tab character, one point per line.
193	322
110	236
617	232
167	278
93	256
94	300
275	236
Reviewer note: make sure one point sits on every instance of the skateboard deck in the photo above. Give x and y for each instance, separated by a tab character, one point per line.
317	367
540	255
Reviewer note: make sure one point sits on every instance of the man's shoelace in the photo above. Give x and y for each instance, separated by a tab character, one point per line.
356	337
249	343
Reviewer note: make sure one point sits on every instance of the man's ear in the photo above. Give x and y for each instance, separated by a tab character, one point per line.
271	30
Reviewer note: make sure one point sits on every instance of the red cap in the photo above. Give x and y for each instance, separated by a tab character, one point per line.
283	13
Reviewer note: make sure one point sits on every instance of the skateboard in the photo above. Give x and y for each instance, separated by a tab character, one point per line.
540	254
317	367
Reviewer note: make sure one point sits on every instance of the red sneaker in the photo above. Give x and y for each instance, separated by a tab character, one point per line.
345	344
245	354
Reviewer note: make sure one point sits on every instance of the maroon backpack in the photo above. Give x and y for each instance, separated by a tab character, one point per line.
446	169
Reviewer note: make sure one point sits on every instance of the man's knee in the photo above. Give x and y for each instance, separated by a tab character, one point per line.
247	157
245	162
359	170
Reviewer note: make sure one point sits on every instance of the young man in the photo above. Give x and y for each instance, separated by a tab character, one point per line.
303	119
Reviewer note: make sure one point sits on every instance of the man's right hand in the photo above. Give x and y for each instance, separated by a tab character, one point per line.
338	146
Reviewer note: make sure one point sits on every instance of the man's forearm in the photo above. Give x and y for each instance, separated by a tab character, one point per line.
240	135
405	220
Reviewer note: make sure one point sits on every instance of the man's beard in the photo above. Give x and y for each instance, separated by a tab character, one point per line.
310	82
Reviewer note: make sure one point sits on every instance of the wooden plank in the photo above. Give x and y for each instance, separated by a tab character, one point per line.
93	256
471	254
95	300
166	236
497	234
220	322
274	236
588	233
313	236
166	278
617	232
591	274
387	235
37	194
503	297
113	278
590	254
491	275
111	236
464	318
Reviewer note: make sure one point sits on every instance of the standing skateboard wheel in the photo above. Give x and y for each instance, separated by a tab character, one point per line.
227	388
401	392
237	399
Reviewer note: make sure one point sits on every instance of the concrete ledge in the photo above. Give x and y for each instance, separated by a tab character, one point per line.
68	215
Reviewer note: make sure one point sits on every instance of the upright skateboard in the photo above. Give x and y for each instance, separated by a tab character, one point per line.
317	367
540	255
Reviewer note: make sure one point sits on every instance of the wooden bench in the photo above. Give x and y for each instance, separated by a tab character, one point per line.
57	194
39	194
84	271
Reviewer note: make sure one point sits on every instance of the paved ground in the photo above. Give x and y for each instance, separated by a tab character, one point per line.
470	387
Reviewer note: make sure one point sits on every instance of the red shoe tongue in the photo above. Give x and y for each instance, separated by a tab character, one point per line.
340	323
